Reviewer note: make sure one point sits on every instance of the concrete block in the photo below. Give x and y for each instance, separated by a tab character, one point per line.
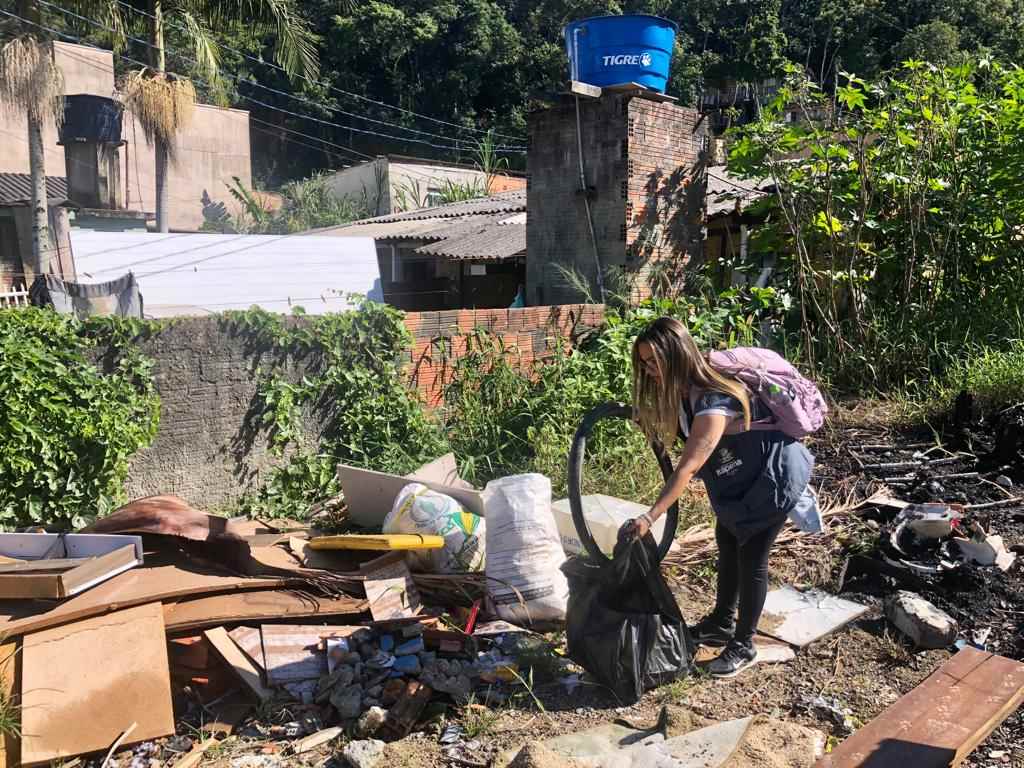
922	622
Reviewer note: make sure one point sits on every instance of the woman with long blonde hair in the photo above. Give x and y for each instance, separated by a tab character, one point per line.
754	478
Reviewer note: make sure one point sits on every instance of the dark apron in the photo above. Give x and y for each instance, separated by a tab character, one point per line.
754	479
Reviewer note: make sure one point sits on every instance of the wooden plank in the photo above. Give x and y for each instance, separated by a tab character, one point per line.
263	605
242	666
383	542
941	721
195	755
135	587
317	739
84	683
10	685
293	652
97	569
406	711
56	565
250	641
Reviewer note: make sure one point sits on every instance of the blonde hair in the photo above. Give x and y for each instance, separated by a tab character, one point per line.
681	366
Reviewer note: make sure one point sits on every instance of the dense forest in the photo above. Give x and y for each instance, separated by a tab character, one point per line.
425	77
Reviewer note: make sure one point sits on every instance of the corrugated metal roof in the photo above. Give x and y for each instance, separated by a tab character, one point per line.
490	241
418	229
17	188
504	202
727	193
196	274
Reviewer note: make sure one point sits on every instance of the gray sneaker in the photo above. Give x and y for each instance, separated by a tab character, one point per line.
734	659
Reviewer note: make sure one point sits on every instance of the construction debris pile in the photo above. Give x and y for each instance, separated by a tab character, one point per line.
160	629
160	614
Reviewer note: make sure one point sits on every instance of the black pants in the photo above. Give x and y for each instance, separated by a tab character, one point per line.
743	578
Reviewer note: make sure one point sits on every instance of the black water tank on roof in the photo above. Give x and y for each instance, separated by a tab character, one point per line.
91	118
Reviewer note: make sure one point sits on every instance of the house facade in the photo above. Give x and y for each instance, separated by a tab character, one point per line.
16	267
467	255
212	150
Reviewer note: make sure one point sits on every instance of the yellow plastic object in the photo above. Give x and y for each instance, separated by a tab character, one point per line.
385	541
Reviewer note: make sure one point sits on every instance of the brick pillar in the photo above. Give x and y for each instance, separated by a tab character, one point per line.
639	155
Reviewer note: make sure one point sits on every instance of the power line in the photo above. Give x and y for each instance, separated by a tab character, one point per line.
333	88
504	149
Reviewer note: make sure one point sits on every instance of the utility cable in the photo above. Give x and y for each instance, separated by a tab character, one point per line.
504	149
341	91
586	203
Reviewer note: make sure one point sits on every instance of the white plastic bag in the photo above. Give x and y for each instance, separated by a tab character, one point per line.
420	510
524	554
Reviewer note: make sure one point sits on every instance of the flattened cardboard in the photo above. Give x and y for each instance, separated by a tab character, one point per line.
84	683
370	495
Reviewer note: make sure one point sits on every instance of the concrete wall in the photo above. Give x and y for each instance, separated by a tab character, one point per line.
213	149
360	180
418	180
640	157
206	449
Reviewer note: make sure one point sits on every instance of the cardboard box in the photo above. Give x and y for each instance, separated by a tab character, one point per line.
61	565
370	495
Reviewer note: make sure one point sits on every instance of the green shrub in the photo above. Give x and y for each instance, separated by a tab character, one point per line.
355	389
68	428
994	375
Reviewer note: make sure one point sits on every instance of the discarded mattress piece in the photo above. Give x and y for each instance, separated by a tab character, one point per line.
800	618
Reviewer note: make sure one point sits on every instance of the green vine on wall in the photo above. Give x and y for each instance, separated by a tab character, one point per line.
77	401
352	386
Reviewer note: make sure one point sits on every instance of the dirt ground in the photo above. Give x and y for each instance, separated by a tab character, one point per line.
866	666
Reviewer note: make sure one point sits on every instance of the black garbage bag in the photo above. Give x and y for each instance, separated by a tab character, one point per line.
623	624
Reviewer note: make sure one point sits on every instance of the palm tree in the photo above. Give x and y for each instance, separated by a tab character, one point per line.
163	102
31	84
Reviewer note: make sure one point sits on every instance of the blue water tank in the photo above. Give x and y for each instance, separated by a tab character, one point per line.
615	50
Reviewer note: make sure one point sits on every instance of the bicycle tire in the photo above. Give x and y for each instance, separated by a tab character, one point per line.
576	455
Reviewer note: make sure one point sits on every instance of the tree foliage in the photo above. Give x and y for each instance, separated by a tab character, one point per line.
899	223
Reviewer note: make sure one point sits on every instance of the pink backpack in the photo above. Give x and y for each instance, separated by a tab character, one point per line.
795	402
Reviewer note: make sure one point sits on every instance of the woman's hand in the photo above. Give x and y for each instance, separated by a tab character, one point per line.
636	528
